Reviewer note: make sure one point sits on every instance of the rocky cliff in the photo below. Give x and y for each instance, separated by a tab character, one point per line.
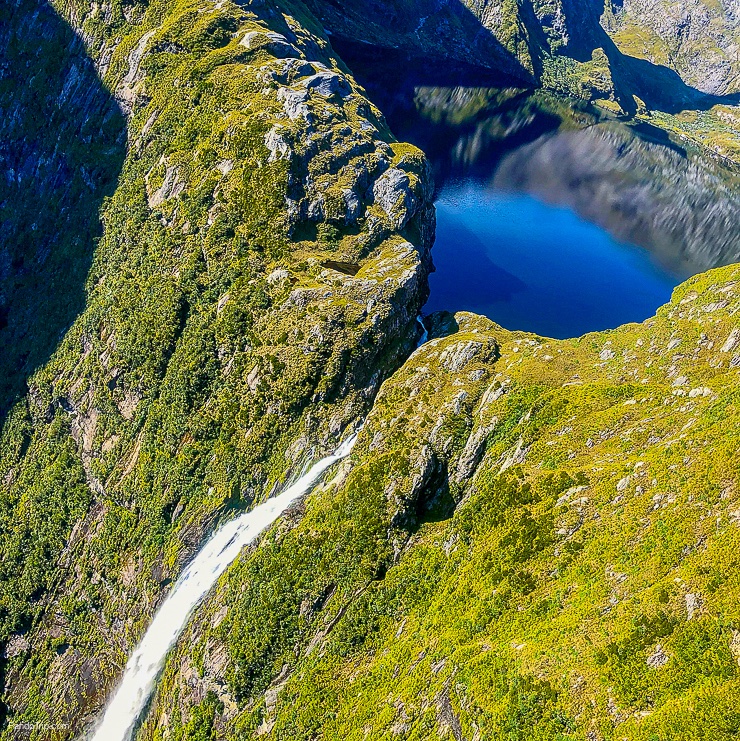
533	539
62	143
696	38
260	266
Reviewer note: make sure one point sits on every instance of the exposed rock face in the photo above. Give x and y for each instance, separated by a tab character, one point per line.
397	192
213	354
698	39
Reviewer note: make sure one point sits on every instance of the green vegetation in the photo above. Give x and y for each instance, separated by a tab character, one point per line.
590	80
213	355
579	582
533	539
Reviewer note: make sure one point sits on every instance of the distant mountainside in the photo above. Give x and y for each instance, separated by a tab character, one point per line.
697	38
664	55
213	254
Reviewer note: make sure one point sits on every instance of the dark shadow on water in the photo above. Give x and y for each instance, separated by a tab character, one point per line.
441	324
446	30
62	145
428	102
648	132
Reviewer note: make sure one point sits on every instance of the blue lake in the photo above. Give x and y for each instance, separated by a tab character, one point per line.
552	217
531	266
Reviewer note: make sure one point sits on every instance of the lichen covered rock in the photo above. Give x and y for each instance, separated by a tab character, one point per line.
214	355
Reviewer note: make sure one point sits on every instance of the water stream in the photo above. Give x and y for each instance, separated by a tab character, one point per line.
127	704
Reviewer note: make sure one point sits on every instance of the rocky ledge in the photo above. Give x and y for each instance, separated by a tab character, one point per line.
263	259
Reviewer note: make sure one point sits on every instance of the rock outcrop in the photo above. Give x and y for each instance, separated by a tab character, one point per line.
698	39
215	350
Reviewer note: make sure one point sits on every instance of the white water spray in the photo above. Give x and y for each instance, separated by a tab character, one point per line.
201	574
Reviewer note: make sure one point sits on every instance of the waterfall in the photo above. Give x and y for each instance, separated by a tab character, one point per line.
146	662
424	333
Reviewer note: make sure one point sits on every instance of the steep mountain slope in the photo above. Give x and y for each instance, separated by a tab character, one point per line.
562	45
534	539
262	262
490	35
513	38
697	38
62	143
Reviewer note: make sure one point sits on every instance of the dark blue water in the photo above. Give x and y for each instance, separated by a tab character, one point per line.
502	158
531	266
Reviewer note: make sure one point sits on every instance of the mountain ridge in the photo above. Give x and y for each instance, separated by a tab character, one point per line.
531	539
195	278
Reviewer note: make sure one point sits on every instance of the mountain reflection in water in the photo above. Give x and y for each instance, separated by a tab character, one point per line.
552	216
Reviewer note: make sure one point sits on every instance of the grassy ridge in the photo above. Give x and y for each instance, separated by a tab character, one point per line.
579	582
215	353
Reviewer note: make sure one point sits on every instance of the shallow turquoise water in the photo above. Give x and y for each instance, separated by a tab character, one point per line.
532	266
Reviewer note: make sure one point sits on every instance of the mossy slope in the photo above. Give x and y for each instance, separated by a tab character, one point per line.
223	340
533	539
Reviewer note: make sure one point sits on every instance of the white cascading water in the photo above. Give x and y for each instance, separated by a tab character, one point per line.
142	669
